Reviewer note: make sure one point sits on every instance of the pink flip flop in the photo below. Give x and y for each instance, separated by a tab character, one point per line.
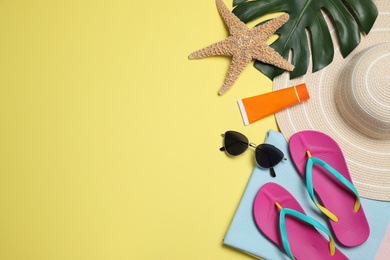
280	217
320	161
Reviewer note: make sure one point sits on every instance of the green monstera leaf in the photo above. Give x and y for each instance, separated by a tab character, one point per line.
347	15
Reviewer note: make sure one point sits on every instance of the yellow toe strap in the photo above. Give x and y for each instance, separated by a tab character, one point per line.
327	212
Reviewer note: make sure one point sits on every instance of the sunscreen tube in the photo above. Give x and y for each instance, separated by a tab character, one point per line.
257	107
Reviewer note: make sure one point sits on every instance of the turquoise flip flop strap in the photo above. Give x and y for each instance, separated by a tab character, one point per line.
305	218
335	173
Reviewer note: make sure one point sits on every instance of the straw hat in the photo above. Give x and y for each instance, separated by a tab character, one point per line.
350	101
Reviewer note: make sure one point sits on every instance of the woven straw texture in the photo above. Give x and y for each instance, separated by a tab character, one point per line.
362	94
350	101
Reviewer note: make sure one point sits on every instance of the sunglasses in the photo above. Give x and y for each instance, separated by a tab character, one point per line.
267	156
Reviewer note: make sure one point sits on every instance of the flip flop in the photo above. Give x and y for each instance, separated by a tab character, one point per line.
280	217
320	161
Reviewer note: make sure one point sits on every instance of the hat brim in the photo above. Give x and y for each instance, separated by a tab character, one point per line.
368	159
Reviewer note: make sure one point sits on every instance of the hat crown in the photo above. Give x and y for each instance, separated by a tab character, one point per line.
363	93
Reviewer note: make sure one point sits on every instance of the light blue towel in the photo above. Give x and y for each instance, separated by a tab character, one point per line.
244	235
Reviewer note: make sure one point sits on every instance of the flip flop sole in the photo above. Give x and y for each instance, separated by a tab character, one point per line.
305	241
352	229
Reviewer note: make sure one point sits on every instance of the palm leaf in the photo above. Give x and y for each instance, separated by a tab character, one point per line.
347	15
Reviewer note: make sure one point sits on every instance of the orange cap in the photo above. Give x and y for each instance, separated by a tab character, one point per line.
302	92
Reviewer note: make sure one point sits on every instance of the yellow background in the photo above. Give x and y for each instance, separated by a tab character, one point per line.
110	136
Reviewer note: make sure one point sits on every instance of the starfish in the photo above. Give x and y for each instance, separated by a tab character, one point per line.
244	44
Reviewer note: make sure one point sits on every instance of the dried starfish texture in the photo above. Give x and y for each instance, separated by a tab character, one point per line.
244	44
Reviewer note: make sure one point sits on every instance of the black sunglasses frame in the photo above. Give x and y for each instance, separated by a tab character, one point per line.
250	144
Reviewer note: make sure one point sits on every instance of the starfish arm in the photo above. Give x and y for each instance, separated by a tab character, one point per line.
235	25
270	56
239	62
215	49
269	28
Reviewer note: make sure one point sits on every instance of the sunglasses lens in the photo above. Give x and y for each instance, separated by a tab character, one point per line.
235	143
268	156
